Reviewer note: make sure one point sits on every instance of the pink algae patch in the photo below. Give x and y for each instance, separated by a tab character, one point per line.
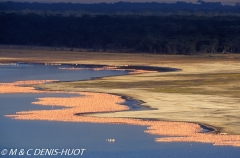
132	71
88	102
72	68
141	71
95	69
20	86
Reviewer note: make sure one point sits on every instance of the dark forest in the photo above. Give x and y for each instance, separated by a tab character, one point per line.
172	34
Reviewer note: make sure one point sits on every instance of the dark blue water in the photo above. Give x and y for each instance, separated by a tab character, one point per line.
35	136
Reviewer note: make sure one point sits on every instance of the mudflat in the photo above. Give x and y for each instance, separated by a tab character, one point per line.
205	91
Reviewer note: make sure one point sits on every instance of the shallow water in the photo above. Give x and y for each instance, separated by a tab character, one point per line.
130	141
23	71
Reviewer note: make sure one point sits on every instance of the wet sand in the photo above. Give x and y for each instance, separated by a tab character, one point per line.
88	102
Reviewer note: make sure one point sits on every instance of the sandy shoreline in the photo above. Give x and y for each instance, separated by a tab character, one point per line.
102	102
206	91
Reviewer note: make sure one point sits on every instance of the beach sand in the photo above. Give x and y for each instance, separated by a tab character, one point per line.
88	102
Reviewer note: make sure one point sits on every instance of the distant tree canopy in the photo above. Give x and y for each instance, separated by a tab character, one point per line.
154	34
117	7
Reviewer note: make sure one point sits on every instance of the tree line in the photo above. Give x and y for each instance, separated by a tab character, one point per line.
130	33
118	7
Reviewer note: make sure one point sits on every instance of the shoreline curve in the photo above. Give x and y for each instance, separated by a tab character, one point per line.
98	102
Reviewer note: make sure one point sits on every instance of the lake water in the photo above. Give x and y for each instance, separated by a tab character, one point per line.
30	137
